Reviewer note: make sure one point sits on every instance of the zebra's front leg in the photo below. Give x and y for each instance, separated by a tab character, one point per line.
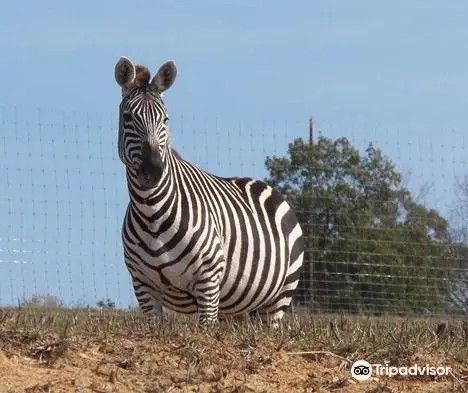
148	298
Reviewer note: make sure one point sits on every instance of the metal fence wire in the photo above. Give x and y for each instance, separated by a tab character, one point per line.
385	215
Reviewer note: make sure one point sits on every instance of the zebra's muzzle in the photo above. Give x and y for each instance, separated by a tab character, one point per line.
151	169
149	180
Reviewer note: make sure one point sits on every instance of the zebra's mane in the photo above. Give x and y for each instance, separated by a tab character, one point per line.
142	76
176	153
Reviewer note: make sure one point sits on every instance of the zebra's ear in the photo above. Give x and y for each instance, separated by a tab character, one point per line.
125	72
165	76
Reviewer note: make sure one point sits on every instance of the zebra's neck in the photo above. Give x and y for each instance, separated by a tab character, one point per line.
149	202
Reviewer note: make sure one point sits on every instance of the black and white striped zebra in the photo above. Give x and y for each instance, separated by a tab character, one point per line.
193	241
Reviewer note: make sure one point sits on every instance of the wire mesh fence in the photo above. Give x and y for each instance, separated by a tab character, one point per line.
385	217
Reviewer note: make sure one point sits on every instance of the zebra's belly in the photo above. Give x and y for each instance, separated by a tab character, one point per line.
247	280
240	293
246	292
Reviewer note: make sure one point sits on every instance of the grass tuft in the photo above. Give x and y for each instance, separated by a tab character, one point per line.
129	352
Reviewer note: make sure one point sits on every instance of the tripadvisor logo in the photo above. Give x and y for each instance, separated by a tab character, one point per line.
362	370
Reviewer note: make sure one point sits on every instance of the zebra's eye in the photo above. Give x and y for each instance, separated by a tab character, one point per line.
165	119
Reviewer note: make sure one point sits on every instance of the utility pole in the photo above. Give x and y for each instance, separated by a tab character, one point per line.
311	130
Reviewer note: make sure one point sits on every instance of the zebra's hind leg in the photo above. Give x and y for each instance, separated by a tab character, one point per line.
269	318
272	313
148	298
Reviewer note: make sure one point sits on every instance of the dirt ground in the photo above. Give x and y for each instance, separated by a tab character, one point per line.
233	360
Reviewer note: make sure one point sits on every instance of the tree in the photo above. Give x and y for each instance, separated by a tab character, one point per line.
369	245
106	304
44	301
459	235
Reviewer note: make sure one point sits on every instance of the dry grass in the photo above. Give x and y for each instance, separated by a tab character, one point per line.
104	352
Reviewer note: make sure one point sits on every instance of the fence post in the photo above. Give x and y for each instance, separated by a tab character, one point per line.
309	252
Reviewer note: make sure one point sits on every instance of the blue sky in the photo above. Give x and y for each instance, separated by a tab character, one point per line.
249	75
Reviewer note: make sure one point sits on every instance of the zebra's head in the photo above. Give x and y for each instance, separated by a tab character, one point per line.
143	134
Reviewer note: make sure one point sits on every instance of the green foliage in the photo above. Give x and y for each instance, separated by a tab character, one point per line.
459	234
106	304
43	301
370	246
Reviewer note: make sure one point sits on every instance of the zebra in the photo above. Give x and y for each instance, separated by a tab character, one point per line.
195	242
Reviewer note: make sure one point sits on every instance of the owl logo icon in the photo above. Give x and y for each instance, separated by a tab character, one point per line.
361	370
